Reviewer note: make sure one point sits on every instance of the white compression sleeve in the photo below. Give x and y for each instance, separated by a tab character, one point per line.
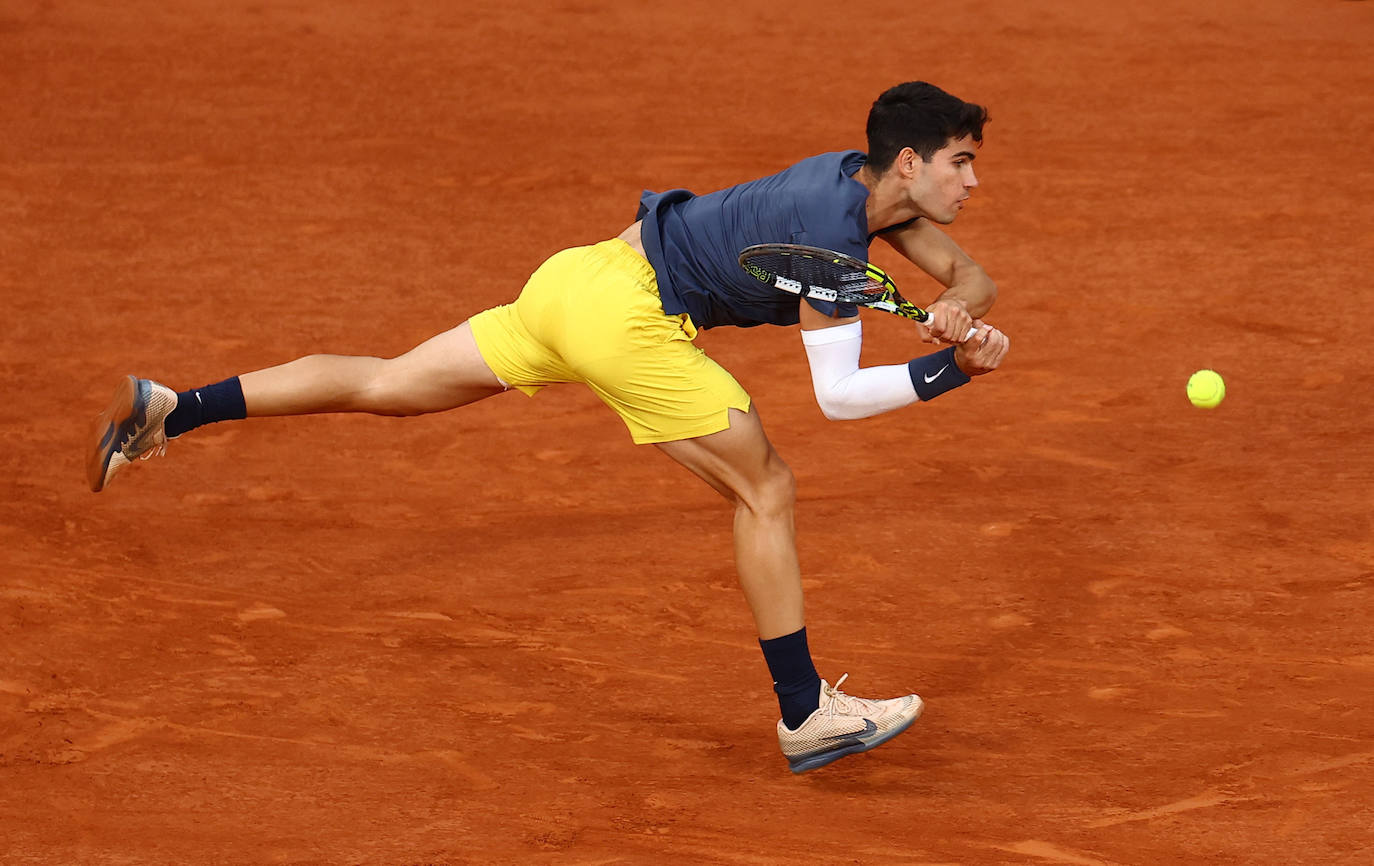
843	390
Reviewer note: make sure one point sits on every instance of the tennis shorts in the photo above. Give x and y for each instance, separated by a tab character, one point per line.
593	315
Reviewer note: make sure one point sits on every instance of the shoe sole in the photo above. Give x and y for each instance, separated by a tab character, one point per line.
820	759
110	428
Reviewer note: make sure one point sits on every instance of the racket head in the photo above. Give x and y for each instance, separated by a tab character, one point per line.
815	272
852	280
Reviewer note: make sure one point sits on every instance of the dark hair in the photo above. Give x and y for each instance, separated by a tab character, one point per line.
922	117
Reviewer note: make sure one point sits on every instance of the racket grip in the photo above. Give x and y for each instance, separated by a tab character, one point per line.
972	332
967	337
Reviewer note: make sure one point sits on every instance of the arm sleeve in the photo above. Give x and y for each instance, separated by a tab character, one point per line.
844	391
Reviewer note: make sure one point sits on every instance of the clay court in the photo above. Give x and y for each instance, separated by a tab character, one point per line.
506	635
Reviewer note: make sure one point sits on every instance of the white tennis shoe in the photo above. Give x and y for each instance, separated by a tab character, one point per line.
843	725
131	427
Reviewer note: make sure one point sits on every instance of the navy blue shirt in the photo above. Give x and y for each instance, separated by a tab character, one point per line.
694	242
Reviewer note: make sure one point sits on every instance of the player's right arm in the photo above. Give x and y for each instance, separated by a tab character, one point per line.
846	391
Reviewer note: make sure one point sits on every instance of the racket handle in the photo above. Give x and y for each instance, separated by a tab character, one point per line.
967	337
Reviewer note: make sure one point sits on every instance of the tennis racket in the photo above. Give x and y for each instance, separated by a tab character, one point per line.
813	272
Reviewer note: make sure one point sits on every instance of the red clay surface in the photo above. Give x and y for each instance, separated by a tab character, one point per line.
506	635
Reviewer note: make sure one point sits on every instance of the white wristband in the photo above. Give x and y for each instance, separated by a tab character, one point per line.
844	391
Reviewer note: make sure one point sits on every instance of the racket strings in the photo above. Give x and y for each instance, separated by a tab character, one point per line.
818	272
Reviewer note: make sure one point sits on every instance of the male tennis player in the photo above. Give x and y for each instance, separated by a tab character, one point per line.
620	316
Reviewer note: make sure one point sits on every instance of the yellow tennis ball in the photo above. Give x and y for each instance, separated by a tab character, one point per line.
1206	389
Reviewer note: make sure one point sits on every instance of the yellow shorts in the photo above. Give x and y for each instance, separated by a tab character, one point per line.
593	315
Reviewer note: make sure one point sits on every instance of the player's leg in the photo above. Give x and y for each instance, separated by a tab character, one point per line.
820	723
741	464
442	373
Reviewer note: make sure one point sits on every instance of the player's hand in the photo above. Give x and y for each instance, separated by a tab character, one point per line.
983	352
949	322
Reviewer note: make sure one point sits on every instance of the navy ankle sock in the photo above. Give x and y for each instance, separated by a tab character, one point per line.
794	676
222	401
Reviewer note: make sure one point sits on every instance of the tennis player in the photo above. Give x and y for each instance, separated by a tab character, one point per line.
620	317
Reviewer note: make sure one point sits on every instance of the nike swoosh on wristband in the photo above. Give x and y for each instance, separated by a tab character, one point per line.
930	379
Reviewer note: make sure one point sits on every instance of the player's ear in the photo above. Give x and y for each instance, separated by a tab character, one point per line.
908	162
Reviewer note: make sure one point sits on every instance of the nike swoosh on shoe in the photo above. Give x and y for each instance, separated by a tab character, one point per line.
869	730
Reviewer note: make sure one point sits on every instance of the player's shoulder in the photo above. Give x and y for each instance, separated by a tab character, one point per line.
820	175
829	203
845	162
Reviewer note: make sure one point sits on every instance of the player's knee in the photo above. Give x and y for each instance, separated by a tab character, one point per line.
775	492
391	391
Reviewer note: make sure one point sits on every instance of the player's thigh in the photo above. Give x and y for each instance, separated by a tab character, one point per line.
739	462
443	372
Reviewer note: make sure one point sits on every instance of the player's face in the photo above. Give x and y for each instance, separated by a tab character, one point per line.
940	187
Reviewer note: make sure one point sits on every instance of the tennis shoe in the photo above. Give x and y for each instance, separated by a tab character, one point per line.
130	428
843	725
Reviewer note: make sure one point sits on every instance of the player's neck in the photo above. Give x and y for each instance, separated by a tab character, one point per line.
887	203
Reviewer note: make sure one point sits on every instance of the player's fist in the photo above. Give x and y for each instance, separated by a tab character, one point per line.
983	352
949	322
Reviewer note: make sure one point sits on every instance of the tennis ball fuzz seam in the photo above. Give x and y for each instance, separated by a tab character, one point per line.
1206	389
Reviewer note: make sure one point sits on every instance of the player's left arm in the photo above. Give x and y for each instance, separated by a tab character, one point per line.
969	291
